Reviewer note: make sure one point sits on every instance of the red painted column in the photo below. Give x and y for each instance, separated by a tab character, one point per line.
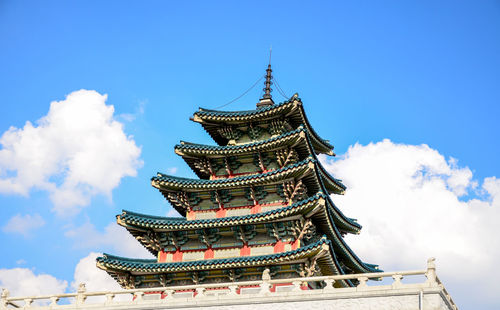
279	247
256	209
221	213
245	250
209	254
177	256
162	257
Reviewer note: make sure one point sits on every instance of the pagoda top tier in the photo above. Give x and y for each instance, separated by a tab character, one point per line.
217	123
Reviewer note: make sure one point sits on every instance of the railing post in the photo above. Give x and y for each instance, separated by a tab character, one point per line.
362	282
431	271
397	280
53	301
264	287
138	296
109	298
80	297
297	286
27	303
233	289
168	293
329	285
200	292
3	300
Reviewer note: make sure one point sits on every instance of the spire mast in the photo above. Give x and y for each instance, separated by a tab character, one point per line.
266	99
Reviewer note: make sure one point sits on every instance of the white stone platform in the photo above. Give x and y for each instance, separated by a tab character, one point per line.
428	294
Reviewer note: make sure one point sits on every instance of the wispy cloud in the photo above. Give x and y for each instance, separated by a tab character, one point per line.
87	236
23	224
20	262
130	117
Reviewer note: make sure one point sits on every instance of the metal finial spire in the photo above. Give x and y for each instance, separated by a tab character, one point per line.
266	99
267	84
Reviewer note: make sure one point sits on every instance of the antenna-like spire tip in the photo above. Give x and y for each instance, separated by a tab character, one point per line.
270	53
266	99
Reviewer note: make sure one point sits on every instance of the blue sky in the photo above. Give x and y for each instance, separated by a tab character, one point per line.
413	72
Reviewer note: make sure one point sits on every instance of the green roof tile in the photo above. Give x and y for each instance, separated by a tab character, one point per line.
158	221
151	264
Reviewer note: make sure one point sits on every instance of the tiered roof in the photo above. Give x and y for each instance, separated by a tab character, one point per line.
320	250
303	168
292	109
262	201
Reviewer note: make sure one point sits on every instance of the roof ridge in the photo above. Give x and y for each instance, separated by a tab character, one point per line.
262	109
127	212
300	128
153	262
317	196
111	256
239	178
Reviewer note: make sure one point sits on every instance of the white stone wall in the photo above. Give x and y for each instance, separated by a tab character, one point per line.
338	299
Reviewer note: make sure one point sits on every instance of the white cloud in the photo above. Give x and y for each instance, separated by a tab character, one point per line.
114	238
23	224
414	204
23	282
78	150
95	279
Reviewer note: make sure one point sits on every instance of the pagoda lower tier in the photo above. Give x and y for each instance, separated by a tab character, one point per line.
267	233
313	259
250	194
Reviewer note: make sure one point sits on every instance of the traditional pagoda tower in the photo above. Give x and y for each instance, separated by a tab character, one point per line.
262	201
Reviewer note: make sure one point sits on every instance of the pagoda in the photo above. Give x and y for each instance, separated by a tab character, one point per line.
261	205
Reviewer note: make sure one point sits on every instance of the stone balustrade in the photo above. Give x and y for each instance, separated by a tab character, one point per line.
265	294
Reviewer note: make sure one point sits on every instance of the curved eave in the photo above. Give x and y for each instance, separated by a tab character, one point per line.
235	117
309	170
165	182
320	145
211	120
329	184
321	250
297	138
314	207
199	150
326	221
148	266
141	222
172	183
332	185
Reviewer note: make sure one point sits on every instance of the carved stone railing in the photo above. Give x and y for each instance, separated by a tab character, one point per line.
239	292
